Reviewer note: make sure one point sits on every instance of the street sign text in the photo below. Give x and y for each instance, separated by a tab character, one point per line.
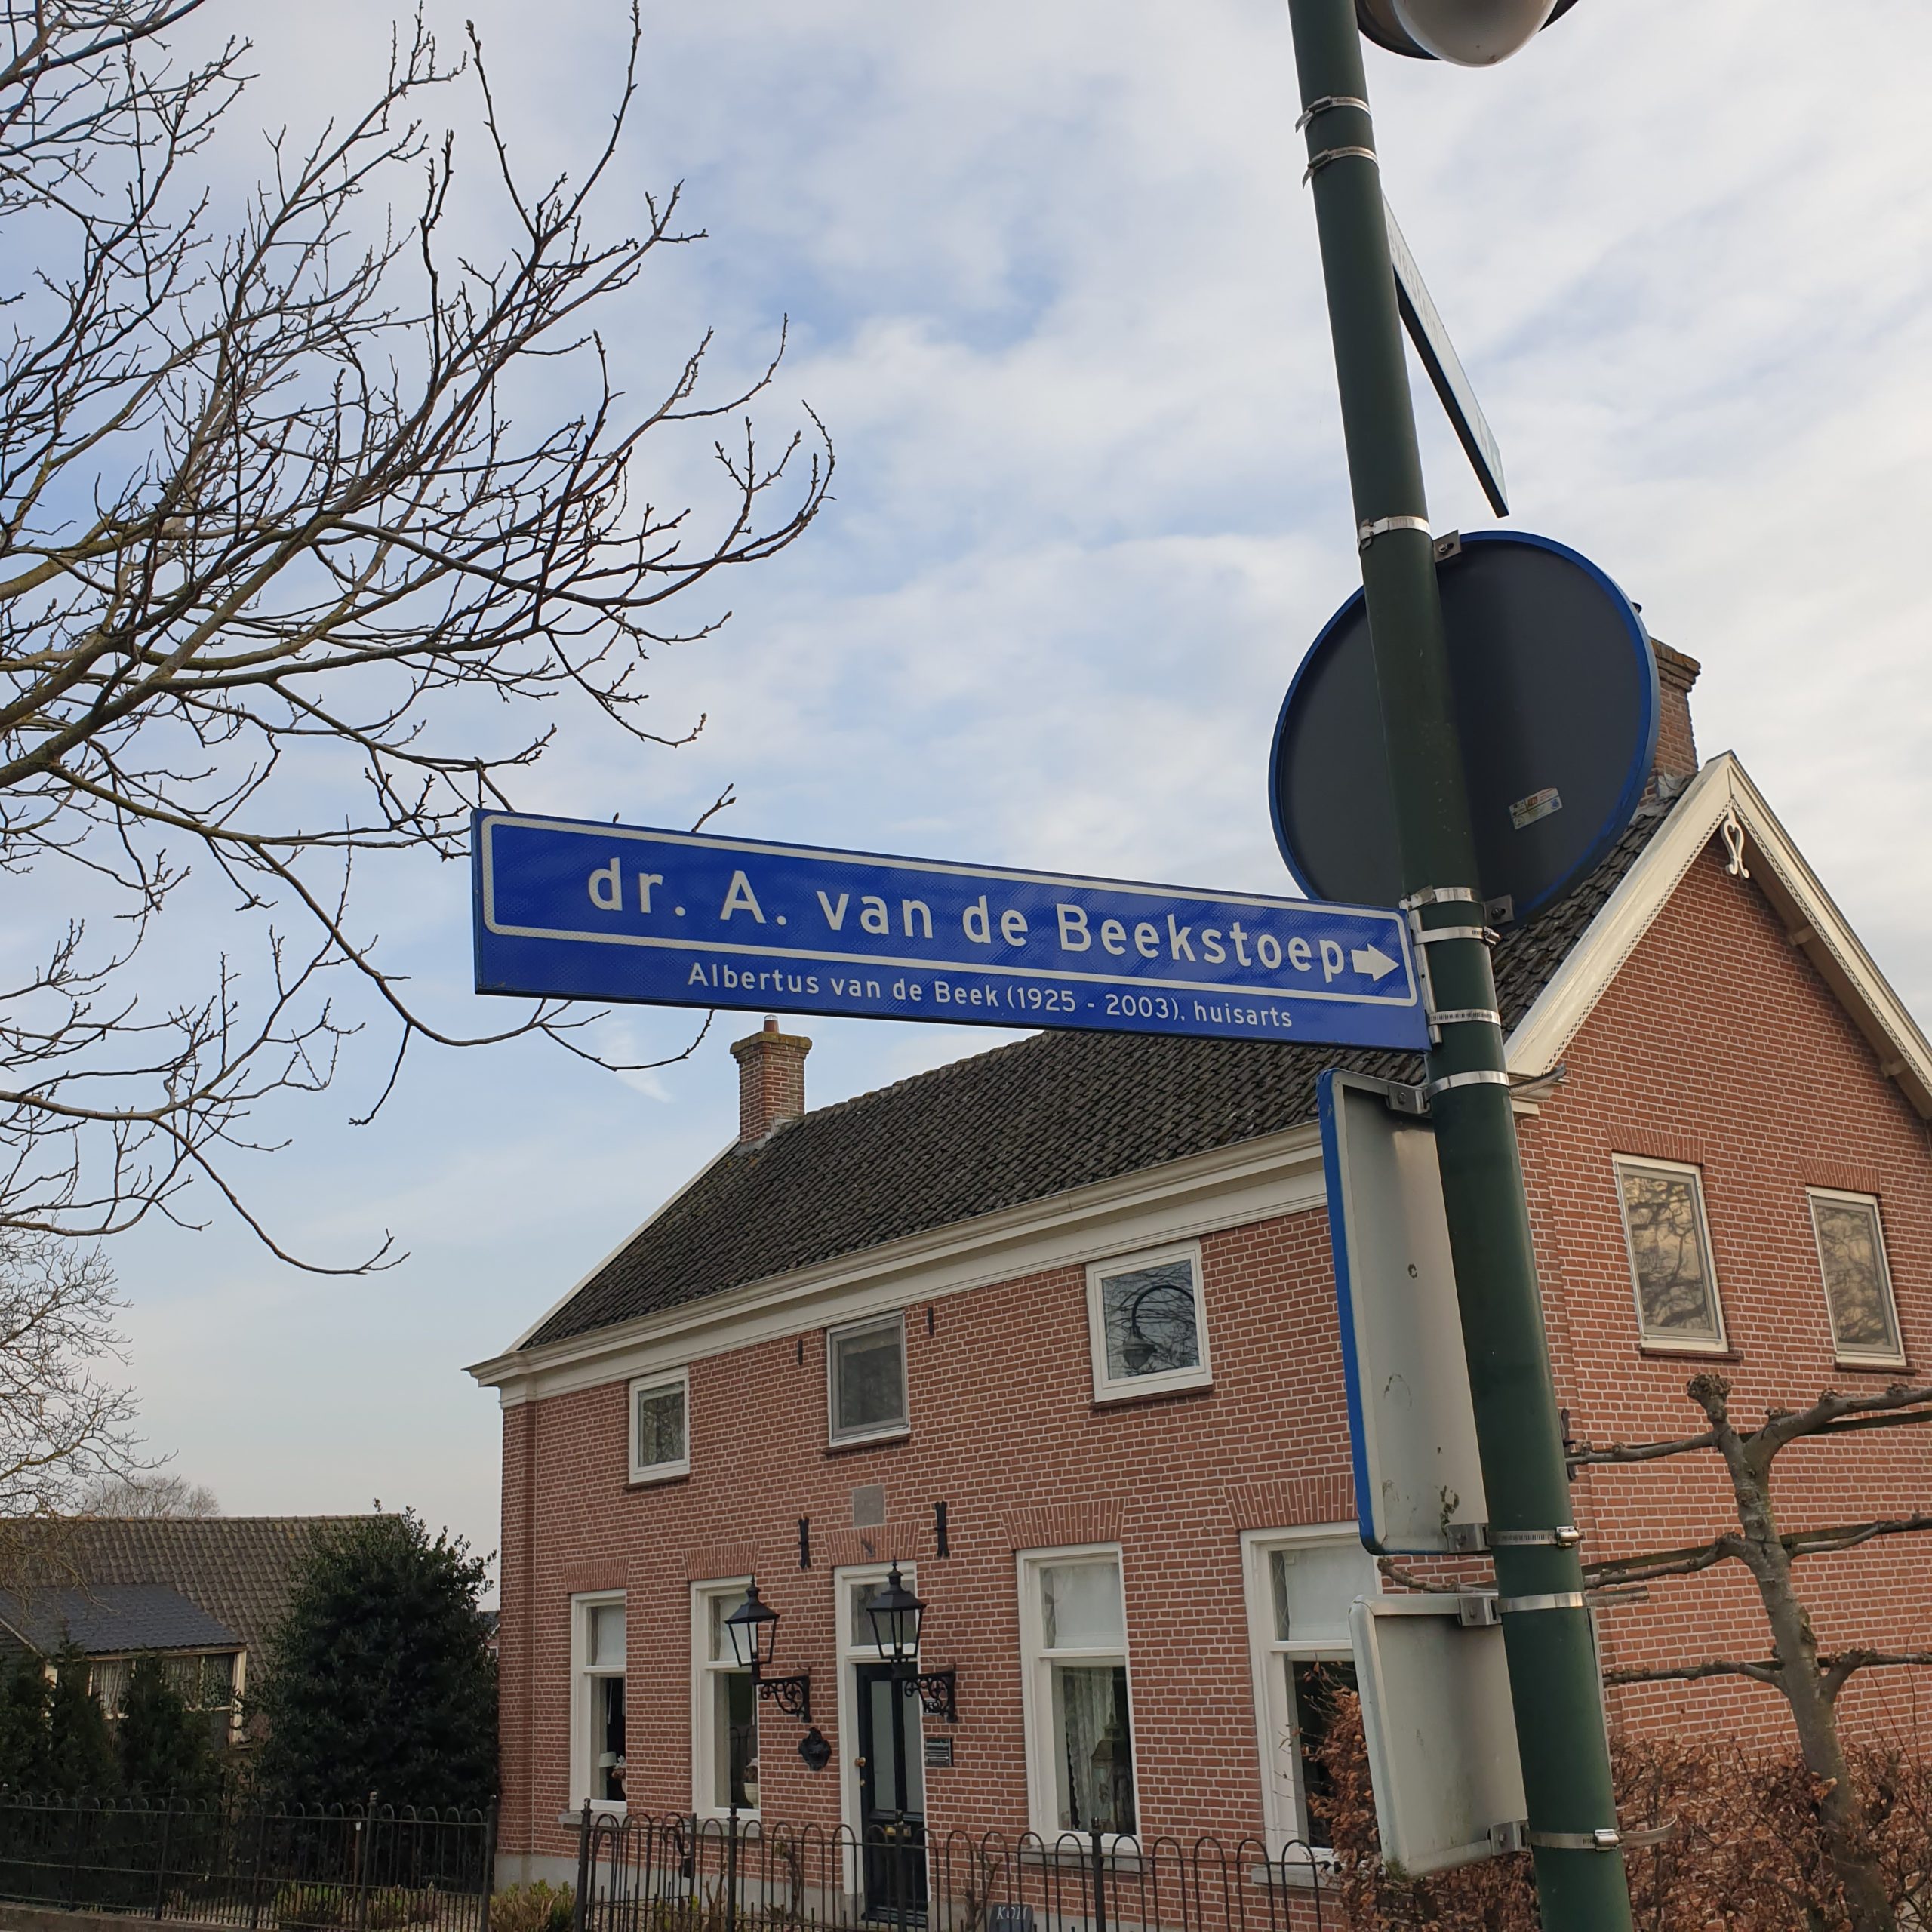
569	908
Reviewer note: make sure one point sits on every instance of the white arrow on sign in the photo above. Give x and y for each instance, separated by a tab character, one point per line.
1372	961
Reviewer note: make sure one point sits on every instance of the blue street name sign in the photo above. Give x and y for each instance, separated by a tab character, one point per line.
571	910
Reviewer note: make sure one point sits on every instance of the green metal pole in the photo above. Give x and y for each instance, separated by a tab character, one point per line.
1553	1667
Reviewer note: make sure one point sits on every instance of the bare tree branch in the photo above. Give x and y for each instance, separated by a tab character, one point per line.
300	503
65	1425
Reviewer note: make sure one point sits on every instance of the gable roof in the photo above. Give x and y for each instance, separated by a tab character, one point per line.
112	1618
238	1571
1723	793
1021	1123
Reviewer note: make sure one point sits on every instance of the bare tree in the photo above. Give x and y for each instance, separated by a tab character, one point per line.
155	1495
302	559
1809	1679
64	1424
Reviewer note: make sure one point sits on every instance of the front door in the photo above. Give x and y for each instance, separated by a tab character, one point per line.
892	1796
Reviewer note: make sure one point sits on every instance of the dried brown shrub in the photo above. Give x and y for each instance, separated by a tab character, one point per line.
1747	1855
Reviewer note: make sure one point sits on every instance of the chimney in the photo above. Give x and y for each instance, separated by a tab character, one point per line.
1676	762
772	1081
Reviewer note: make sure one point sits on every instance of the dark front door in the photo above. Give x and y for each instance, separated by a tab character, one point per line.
892	1796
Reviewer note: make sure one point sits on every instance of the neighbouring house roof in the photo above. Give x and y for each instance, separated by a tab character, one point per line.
236	1571
112	1618
1024	1122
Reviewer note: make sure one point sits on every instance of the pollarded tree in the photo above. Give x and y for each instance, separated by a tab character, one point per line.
316	527
379	1676
1809	1679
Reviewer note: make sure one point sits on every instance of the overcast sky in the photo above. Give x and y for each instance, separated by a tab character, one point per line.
1053	286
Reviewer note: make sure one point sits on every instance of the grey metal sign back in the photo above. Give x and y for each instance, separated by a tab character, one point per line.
1440	1731
1453	387
1411	1424
1556	704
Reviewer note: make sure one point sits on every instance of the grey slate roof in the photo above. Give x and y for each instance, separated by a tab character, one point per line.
113	1617
237	1570
1034	1118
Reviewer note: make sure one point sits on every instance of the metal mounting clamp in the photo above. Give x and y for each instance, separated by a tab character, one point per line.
1487	1077
1607	1839
1650	1835
1480	1536
1537	1085
1515	1835
1327	154
1550	1599
1455	1016
1324	104
1367	533
1437	895
1435	935
1565	1536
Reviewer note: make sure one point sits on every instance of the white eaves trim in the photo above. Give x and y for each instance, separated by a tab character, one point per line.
1278	1173
1778	868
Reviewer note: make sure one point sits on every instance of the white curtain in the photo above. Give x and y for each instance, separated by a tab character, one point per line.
1095	1752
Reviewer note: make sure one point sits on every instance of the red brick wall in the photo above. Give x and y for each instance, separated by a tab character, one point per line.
1004	1431
1717	1044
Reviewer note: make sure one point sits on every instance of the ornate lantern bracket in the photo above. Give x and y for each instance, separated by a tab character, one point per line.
792	1695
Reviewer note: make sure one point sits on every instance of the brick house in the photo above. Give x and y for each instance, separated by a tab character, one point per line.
1054	1327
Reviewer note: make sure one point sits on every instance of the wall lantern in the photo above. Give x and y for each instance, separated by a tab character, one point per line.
753	1629
897	1614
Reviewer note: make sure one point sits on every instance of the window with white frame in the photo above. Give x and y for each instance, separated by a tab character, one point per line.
865	1366
1669	1246
597	1717
661	1441
724	1707
1146	1324
1858	1282
1079	1716
1301	1586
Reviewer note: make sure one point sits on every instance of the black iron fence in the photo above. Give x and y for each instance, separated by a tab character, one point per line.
347	1868
686	1874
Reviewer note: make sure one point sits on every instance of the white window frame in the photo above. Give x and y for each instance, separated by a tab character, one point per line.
1284	1802
1859	1357
1124	1388
1036	1693
679	1379
883	1431
1690	1345
584	1675
704	1669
